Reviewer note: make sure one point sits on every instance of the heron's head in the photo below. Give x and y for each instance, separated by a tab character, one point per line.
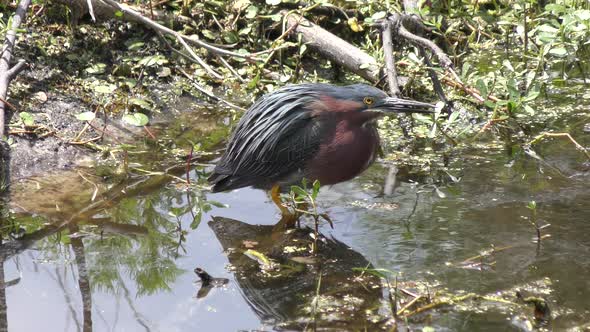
365	100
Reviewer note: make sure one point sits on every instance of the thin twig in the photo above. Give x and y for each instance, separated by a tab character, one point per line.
207	93
410	304
443	59
197	58
153	25
231	69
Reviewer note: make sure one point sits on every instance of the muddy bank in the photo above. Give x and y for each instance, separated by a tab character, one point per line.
31	154
59	141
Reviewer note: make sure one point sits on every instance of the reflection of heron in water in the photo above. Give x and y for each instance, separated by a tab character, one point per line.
284	296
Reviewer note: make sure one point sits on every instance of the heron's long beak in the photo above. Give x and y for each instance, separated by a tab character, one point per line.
397	105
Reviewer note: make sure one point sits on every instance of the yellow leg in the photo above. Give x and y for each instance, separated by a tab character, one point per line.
275	194
288	219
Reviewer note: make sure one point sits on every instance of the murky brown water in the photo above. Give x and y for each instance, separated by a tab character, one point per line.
119	256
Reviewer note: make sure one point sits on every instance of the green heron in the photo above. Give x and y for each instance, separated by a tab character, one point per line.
313	131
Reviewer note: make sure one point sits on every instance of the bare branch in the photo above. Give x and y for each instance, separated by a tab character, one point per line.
158	27
16	69
6	73
390	59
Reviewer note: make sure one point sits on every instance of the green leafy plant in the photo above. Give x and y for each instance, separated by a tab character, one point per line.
303	201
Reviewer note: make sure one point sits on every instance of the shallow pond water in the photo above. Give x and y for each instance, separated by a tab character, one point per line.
86	254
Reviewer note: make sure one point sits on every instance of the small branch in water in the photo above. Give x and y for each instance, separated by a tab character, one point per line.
438	303
149	132
188	164
410	304
576	144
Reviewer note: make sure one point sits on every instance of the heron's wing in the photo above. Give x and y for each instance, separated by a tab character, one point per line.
275	138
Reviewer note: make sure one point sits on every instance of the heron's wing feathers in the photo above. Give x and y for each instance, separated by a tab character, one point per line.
275	138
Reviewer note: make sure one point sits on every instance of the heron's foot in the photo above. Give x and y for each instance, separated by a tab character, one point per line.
289	219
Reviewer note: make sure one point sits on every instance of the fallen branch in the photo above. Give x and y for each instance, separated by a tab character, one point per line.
7	73
335	49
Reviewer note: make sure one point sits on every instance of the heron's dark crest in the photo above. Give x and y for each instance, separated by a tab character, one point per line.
284	132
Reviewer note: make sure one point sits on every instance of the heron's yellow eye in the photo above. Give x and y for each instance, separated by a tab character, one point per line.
368	101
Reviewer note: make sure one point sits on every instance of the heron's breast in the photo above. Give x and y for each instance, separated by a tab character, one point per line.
344	154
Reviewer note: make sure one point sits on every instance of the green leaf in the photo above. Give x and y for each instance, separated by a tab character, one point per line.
258	257
245	31
153	60
208	34
529	110
231	37
197	219
135	45
136	119
558	52
86	116
98	68
164	72
316	188
532	205
254	82
27	118
506	63
513	90
251	12
583	15
555	8
482	87
489	103
106	89
298	191
379	15
465	69
547	28
533	93
217	204
140	102
302	49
